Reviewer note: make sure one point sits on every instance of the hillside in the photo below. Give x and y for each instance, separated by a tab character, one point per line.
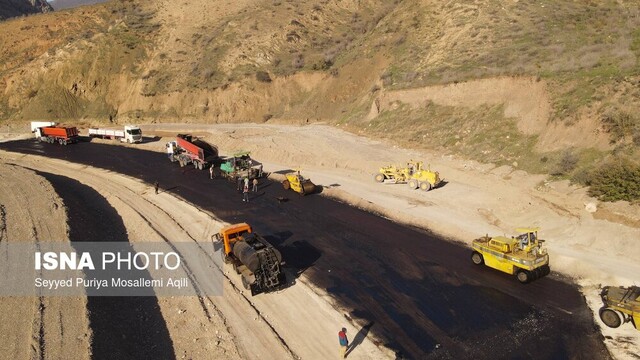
548	87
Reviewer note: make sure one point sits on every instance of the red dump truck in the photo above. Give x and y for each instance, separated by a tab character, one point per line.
187	150
48	132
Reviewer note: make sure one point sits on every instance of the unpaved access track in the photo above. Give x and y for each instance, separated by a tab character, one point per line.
400	287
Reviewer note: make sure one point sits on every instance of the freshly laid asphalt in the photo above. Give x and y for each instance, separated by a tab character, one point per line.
417	293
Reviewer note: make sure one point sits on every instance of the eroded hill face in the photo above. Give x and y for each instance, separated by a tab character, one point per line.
493	80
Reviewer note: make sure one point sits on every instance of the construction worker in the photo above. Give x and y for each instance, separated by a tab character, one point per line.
239	183
211	172
255	185
344	343
245	193
156	185
260	171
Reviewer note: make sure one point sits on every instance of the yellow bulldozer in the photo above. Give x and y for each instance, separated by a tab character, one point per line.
298	183
522	256
414	175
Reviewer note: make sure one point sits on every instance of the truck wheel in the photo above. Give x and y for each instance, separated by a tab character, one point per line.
39	139
425	185
523	276
245	283
60	141
546	270
200	166
235	267
225	258
610	317
286	185
379	178
64	142
413	184
477	259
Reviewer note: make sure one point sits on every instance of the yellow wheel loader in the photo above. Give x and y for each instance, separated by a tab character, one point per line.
621	305
298	183
413	175
522	256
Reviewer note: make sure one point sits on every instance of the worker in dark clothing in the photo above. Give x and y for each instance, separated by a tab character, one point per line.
245	193
255	185
344	342
239	183
156	185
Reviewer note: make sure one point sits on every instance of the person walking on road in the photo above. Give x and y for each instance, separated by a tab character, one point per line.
239	183
156	185
211	172
255	185
245	193
344	343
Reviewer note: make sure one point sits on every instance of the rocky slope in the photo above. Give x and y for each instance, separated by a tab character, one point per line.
549	87
14	8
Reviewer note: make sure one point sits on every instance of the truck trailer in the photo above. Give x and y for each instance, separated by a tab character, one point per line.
47	131
130	134
257	261
187	150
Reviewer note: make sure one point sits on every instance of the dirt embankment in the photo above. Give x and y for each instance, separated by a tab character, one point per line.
38	327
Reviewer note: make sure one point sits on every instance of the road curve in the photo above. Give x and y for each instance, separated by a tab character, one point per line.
420	294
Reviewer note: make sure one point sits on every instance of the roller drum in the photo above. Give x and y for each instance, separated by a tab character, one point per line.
308	187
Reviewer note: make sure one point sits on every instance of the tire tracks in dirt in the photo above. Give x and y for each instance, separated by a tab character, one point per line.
161	222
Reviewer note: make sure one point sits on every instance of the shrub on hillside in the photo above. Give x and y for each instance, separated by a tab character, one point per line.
616	181
263	76
566	164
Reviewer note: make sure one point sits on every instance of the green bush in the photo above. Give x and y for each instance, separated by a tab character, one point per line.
616	181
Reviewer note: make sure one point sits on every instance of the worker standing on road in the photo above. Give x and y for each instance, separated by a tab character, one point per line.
260	171
344	343
239	183
245	193
156	185
211	172
255	185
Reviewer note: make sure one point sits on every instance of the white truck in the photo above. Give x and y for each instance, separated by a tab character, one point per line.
130	134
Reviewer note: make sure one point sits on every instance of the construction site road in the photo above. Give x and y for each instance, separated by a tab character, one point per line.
418	294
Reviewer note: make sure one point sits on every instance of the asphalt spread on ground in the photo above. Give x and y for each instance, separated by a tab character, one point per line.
417	293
